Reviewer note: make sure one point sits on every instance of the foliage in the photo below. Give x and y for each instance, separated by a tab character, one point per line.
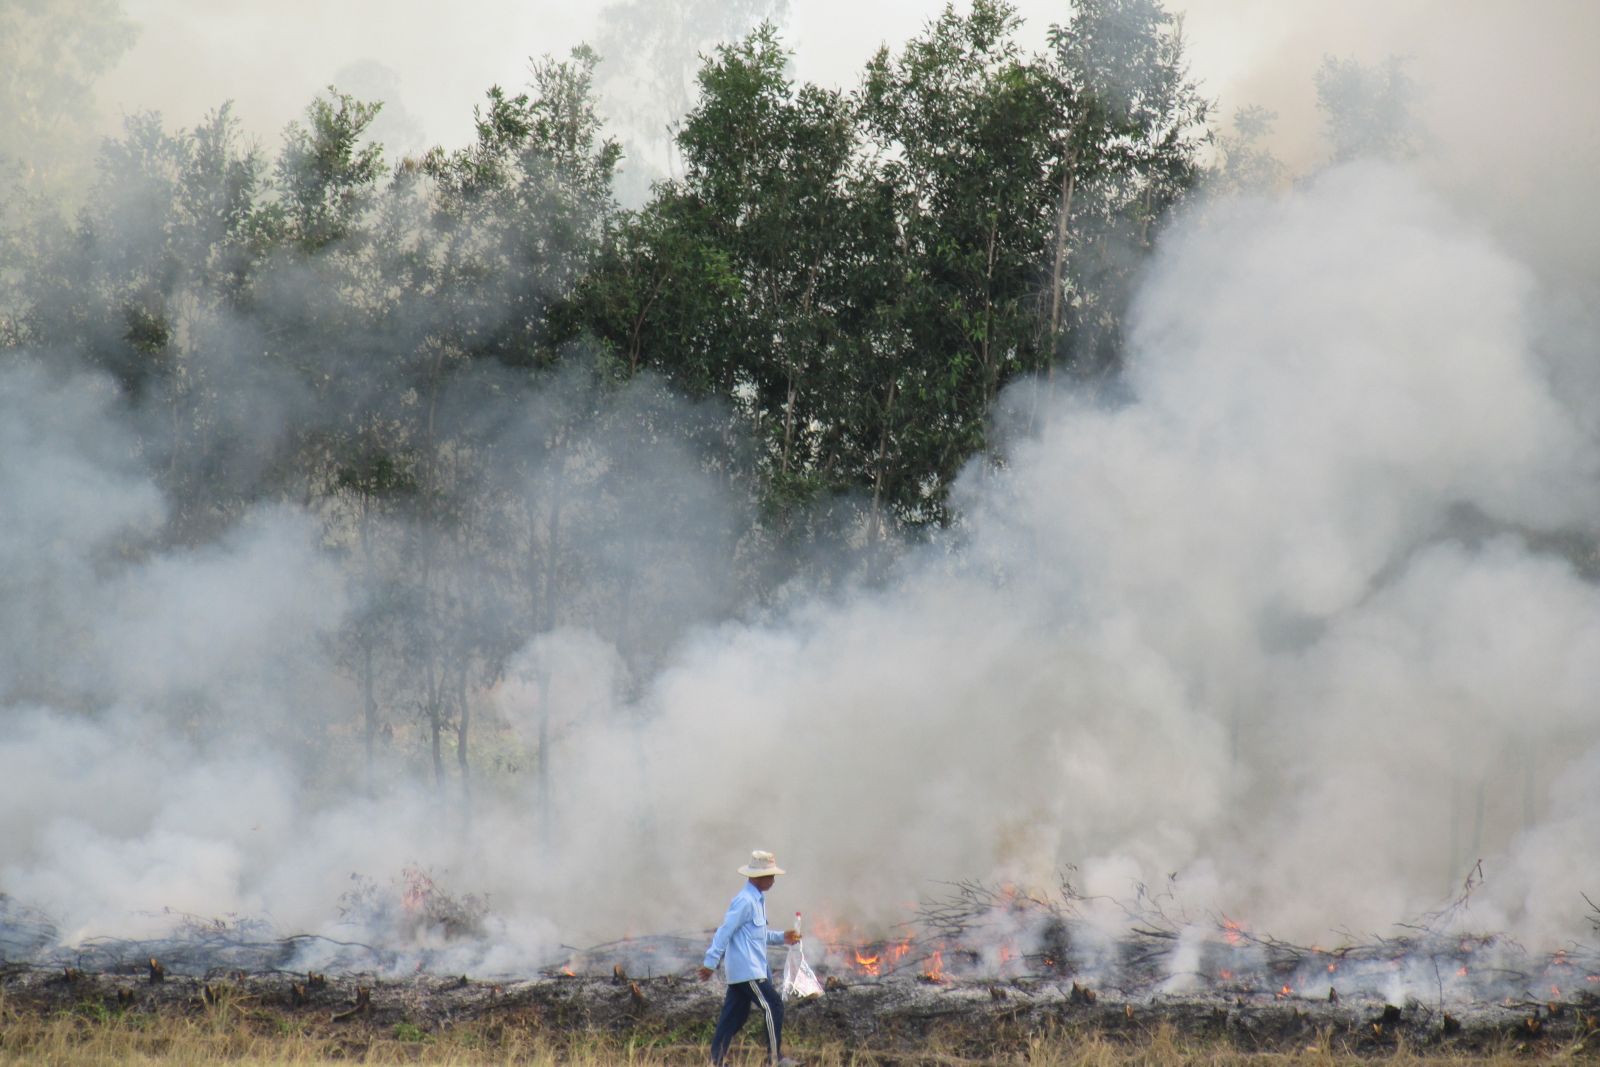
326	176
51	52
410	1032
1368	110
1246	166
656	47
517	407
860	276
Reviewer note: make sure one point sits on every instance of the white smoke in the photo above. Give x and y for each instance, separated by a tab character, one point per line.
1269	622
1289	621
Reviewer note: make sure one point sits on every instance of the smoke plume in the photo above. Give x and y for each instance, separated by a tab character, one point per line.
1292	620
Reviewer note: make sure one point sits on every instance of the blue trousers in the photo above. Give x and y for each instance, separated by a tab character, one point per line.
742	996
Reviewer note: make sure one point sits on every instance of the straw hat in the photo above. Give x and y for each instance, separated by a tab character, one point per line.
761	864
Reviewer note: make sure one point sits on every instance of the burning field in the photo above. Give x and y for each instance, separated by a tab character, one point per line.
1249	697
979	975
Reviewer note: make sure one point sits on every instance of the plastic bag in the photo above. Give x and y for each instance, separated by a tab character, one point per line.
799	982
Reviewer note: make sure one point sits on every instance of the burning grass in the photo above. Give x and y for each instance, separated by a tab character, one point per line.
981	976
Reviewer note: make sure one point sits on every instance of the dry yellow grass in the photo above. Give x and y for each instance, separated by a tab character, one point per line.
239	1035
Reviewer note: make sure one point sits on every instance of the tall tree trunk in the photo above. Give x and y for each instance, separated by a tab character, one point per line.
1144	216
544	622
991	370
791	367
434	696
542	759
463	720
1069	179
788	420
369	703
430	544
369	699
635	338
875	528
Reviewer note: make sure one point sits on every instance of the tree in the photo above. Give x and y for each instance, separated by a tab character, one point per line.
654	48
962	123
1028	186
51	54
1244	166
1368	111
860	276
1127	137
524	211
506	228
327	174
728	283
139	286
766	162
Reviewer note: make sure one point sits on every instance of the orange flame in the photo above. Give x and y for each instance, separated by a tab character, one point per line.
1462	973
867	964
1226	976
1232	932
935	970
418	888
1286	991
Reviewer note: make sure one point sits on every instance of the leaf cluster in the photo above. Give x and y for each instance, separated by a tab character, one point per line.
516	406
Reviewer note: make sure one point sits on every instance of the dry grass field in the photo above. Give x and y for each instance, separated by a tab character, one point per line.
237	1034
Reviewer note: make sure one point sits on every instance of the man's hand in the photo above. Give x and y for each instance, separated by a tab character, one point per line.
705	974
791	937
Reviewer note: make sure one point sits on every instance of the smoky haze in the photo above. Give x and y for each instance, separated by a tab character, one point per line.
1507	92
1293	617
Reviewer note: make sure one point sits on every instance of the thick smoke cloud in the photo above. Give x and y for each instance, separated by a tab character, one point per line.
1292	619
1274	623
1288	620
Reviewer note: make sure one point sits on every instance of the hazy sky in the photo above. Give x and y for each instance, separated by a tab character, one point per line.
1510	94
273	57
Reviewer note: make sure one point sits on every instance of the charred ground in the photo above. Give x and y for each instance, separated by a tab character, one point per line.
887	1018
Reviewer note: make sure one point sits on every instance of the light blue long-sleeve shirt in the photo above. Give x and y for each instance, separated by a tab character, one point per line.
743	937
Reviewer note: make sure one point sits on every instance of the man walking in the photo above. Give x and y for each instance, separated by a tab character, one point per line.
740	944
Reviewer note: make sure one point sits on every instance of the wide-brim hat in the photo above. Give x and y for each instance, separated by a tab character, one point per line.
761	864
